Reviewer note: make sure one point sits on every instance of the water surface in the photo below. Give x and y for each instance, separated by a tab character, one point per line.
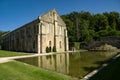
72	64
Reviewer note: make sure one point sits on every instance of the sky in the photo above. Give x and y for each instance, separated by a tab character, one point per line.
15	13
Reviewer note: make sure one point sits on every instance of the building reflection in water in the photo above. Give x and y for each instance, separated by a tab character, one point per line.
53	62
58	63
72	64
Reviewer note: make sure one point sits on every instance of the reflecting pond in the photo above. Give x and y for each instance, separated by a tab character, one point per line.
72	64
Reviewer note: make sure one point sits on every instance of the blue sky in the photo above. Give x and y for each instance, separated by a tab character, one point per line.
15	13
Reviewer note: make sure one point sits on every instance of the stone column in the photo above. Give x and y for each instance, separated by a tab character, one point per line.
43	38
66	41
67	44
43	44
39	30
55	31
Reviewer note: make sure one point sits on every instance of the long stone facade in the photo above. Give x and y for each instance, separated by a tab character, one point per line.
48	30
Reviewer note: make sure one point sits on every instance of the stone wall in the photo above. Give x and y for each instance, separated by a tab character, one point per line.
47	31
53	32
22	39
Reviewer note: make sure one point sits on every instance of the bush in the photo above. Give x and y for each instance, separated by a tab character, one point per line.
103	33
77	45
83	45
47	49
54	49
50	49
114	33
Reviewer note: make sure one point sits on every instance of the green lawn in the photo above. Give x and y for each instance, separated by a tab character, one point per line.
21	71
111	72
10	53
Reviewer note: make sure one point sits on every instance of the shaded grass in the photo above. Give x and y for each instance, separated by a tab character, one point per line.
111	72
10	53
20	71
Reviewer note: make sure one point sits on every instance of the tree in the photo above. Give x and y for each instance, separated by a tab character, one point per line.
70	28
85	35
84	26
113	19
75	18
85	15
101	22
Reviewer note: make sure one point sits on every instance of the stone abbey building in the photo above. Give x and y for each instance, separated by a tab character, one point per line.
48	30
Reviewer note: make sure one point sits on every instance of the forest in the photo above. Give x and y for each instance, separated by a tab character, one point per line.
85	27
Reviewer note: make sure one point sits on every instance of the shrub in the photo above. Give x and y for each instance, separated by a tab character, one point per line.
47	49
54	49
76	45
83	45
50	49
103	33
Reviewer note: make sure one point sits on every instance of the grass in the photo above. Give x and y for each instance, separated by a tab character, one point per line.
111	72
10	53
21	71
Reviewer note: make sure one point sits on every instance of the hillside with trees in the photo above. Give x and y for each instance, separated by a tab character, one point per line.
85	27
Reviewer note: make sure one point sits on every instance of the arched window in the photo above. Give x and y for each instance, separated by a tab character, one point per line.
49	43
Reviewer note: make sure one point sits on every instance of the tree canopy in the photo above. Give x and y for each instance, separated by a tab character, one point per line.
85	27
